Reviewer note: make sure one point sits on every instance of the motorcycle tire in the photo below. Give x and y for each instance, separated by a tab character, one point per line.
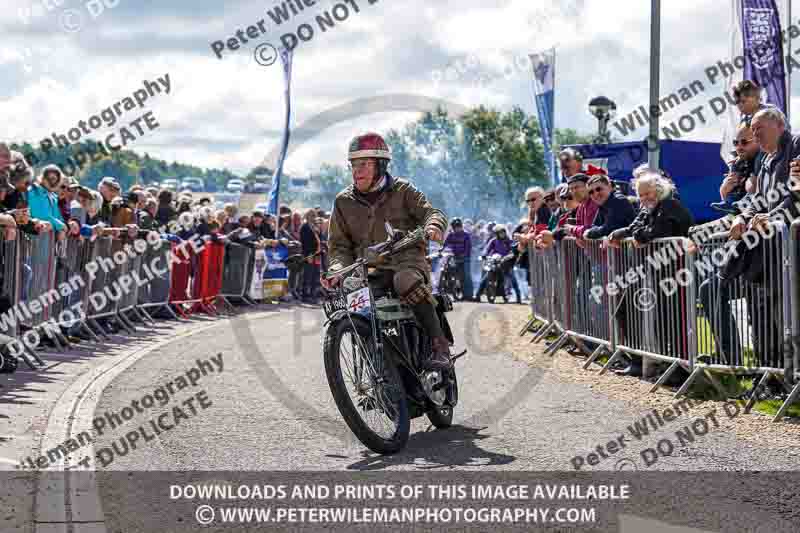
344	403
8	363
457	290
491	291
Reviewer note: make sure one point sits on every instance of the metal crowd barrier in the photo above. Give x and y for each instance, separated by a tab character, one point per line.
666	301
237	270
586	319
38	264
792	374
48	286
154	296
747	318
11	292
652	296
72	276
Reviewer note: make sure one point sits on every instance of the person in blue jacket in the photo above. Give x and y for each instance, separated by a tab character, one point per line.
43	199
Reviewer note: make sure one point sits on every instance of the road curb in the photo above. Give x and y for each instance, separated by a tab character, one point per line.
74	500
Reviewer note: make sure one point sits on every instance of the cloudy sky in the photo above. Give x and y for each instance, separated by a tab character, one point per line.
60	66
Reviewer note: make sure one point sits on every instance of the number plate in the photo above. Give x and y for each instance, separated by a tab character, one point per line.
358	301
355	302
332	306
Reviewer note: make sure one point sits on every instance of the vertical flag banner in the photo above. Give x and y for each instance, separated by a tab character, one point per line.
763	49
755	37
544	66
286	61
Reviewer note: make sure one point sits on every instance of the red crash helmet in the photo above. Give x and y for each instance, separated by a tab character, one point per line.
369	145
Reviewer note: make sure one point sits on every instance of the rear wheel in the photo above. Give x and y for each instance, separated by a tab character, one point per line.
368	392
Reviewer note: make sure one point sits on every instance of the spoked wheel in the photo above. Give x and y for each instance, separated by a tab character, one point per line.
372	400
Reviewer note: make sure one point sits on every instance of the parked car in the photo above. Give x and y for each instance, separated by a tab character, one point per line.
193	184
170	185
235	185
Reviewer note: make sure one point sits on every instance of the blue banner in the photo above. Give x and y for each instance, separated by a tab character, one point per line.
286	61
763	49
544	65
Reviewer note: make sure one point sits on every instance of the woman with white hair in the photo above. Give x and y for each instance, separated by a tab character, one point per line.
661	215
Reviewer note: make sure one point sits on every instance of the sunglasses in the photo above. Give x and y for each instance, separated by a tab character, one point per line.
595	190
743	142
530	200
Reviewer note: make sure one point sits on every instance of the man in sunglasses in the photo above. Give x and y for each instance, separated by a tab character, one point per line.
742	169
614	211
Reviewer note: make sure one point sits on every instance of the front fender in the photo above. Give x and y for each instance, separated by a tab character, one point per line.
338	316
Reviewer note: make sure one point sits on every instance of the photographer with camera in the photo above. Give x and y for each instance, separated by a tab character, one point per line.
743	168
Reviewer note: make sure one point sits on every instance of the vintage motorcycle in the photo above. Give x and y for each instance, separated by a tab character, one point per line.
450	281
373	351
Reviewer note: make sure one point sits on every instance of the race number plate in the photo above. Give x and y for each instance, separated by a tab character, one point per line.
358	301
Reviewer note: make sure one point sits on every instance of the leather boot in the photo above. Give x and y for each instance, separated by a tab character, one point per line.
440	355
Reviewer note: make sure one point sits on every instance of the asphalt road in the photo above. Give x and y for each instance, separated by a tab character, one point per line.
264	406
272	410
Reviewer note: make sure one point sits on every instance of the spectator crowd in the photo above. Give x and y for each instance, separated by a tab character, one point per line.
52	202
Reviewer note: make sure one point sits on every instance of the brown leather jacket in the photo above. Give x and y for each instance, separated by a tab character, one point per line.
357	224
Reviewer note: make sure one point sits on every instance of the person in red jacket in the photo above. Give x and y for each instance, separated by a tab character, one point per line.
587	209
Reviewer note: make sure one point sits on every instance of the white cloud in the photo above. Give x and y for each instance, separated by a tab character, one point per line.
230	112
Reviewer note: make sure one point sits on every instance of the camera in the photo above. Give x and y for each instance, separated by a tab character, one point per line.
743	167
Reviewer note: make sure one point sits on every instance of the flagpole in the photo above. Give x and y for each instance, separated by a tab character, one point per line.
553	158
655	79
274	193
786	24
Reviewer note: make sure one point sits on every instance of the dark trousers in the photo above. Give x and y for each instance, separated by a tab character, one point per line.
464	274
310	280
763	311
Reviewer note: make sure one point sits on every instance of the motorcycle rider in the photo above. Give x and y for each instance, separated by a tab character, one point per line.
500	244
358	221
460	243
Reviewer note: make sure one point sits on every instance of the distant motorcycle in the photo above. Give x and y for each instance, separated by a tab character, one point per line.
450	281
495	278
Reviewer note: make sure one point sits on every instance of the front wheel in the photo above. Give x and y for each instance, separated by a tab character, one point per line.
368	391
491	290
458	289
